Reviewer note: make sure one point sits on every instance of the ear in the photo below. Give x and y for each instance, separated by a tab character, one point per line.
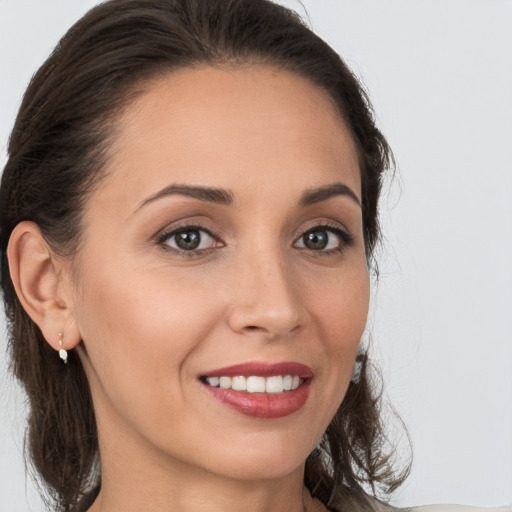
42	285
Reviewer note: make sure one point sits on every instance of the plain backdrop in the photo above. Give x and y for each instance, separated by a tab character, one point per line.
439	74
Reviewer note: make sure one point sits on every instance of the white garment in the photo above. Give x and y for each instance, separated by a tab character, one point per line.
458	508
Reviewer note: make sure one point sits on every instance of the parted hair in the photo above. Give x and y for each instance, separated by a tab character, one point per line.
57	156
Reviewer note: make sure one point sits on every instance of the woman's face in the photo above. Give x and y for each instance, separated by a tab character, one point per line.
226	241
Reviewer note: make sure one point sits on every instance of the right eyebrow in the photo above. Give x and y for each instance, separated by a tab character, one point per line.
209	194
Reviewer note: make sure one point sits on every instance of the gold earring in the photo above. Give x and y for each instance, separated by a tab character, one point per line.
63	354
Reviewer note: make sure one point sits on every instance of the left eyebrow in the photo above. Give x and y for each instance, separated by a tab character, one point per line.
319	194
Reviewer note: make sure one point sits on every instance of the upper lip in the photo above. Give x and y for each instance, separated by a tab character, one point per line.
262	369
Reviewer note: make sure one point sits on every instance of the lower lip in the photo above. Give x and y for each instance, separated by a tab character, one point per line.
263	405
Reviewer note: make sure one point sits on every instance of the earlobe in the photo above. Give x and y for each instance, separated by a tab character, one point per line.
36	273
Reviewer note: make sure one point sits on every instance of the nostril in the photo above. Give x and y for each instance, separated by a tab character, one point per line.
256	329
272	321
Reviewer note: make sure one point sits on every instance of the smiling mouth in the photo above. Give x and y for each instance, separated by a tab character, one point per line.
260	389
255	383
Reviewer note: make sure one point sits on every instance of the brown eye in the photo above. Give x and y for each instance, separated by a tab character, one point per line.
316	240
324	239
189	239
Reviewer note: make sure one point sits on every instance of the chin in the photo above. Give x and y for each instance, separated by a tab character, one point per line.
257	470
266	459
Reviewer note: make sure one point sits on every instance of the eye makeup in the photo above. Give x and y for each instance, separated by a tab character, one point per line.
193	239
315	236
188	239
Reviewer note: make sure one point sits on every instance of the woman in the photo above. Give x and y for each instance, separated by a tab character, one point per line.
188	214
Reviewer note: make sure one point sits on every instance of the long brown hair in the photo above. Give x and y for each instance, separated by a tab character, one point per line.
57	154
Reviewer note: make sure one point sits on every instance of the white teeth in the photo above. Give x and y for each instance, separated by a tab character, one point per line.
256	384
239	383
225	382
274	384
213	381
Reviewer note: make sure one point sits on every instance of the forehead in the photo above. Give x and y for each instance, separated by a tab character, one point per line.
232	128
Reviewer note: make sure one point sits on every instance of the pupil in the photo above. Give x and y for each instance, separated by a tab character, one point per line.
315	240
188	240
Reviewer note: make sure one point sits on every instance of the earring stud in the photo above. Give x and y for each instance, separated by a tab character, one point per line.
63	353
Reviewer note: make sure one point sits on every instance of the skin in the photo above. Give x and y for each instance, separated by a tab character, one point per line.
148	320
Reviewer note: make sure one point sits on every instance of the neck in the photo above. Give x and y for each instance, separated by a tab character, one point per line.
136	476
189	491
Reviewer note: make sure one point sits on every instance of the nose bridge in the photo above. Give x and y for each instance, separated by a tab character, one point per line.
268	300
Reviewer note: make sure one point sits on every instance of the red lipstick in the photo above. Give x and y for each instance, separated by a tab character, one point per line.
262	404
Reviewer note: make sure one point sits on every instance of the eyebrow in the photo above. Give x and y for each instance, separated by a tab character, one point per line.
316	195
225	197
209	194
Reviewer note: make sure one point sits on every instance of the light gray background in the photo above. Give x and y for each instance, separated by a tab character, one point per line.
440	76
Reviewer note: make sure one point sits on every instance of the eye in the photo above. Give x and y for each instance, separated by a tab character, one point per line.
188	239
324	238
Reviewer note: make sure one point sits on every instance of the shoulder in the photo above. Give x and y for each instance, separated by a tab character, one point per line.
456	508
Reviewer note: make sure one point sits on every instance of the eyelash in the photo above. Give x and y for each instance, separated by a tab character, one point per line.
183	228
346	239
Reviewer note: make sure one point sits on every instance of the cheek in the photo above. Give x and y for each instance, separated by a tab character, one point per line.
139	331
345	317
339	301
340	314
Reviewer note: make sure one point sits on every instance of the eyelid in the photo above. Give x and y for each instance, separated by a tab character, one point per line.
346	238
171	231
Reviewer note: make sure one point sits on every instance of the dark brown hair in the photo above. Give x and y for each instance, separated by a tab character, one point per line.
57	155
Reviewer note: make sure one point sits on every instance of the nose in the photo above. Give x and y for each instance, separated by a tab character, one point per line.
268	301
